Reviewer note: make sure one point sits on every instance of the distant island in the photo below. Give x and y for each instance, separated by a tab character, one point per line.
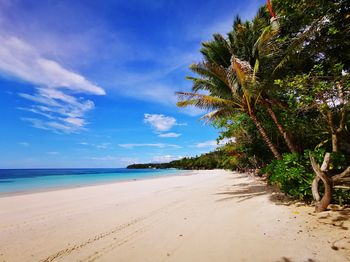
212	160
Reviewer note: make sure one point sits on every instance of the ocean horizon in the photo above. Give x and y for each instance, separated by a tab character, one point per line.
41	179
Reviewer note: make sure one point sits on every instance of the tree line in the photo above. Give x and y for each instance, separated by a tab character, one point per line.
279	84
213	160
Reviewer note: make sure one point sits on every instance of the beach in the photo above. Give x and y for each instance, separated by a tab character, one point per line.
211	215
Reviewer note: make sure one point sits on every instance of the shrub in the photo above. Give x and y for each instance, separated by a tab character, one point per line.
293	175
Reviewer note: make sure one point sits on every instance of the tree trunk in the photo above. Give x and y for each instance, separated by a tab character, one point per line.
321	204
314	189
283	132
265	137
334	142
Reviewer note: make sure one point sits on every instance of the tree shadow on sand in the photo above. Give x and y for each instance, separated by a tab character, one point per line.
336	218
244	191
250	189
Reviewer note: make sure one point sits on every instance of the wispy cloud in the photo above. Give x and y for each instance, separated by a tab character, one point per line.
165	158
61	112
210	143
26	144
54	98
169	135
57	127
104	158
116	160
53	153
103	145
214	143
159	145
23	61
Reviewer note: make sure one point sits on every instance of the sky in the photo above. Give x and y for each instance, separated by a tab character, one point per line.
92	83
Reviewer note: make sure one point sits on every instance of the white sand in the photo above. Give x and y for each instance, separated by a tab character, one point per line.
210	216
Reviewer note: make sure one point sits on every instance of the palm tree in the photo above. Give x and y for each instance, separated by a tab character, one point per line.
229	94
226	77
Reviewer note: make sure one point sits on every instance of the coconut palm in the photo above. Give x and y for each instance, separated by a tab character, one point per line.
231	92
226	76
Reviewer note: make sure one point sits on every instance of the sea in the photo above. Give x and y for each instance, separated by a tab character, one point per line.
29	180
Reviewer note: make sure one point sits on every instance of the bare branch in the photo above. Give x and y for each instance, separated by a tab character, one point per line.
342	174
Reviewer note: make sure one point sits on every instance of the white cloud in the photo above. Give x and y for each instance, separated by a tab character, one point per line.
169	135
24	144
23	61
65	113
103	145
75	121
159	145
161	122
54	98
213	143
57	127
210	143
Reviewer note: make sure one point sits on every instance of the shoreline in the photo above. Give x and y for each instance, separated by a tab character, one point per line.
215	215
59	188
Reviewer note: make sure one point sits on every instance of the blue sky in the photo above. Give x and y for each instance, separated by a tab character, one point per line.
92	83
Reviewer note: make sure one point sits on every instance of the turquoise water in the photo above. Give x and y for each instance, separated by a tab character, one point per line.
24	180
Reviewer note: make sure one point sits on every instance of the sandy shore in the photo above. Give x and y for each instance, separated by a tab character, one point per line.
209	216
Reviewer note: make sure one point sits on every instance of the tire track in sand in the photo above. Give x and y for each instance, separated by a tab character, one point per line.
65	252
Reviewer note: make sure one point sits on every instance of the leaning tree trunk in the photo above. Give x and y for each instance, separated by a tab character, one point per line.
321	174
265	137
281	129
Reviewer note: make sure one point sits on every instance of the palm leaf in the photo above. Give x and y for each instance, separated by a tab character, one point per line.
216	114
265	41
202	101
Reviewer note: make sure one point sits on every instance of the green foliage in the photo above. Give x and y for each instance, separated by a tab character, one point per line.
292	174
341	196
249	149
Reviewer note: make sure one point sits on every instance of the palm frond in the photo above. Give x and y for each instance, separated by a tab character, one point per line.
216	114
210	70
202	101
216	51
264	43
255	70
